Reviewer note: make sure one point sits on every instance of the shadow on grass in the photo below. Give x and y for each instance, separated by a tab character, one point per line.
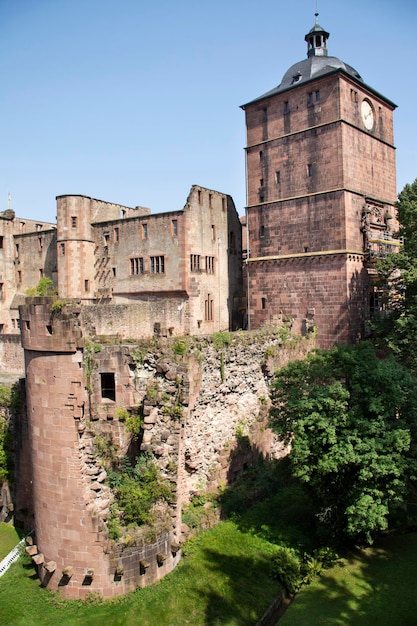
376	585
242	599
266	501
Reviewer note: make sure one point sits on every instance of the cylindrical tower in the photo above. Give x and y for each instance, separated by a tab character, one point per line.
75	253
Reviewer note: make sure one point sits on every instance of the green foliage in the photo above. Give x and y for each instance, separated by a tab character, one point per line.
106	449
398	278
293	570
352	421
222	340
5	436
45	287
152	390
286	568
57	306
137	489
132	420
180	347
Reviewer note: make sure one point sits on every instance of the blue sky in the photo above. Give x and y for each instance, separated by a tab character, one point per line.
133	102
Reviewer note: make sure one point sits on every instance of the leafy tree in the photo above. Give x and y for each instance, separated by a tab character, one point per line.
351	418
398	274
45	287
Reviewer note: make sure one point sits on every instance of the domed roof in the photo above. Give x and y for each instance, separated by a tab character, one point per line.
317	64
311	68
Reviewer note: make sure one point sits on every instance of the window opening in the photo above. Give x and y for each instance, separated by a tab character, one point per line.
144	231
136	266
195	262
157	264
174	228
208	308
73	221
108	386
210	264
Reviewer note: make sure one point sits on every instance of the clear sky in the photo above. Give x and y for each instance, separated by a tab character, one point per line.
134	101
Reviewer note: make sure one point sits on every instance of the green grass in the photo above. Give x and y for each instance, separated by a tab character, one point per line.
8	539
223	581
375	586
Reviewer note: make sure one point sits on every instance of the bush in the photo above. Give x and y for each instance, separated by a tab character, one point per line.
286	568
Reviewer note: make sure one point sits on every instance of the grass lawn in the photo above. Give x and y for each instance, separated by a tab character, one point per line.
223	581
8	539
375	587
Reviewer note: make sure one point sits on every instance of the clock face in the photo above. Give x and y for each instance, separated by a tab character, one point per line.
367	114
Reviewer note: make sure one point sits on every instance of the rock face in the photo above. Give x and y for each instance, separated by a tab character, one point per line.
199	406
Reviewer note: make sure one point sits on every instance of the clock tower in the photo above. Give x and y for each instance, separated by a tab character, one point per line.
321	188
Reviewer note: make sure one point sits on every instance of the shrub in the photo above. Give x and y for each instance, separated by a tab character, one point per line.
286	568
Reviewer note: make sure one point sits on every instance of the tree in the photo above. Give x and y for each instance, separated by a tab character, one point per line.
398	273
351	418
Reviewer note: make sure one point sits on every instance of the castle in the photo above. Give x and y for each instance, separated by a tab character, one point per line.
320	210
180	271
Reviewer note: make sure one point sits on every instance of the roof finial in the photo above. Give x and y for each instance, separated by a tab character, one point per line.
317	12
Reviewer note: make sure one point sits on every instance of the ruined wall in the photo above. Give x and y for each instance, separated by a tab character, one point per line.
197	399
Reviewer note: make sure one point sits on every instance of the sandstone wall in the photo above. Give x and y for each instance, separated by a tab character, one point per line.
198	399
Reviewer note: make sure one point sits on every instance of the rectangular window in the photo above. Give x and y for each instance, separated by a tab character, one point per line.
1	291
353	95
174	228
309	170
317	96
157	264
261	155
62	248
108	386
116	234
210	264
310	98
19	276
286	107
195	262
86	285
144	231
136	266
73	221
264	303
261	182
1	241
223	204
40	244
278	177
210	200
114	272
213	232
208	308
17	249
199	196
